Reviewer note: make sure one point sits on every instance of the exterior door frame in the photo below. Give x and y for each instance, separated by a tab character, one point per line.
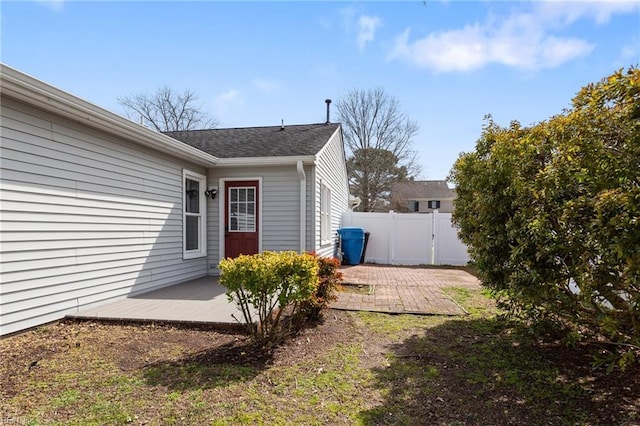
222	208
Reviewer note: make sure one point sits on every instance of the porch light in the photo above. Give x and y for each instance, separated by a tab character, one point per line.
212	192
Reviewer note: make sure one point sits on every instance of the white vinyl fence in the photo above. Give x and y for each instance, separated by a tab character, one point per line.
409	238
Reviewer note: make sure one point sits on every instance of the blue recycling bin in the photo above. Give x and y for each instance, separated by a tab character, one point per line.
352	244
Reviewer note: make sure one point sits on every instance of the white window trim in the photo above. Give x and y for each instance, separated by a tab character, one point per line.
325	214
202	234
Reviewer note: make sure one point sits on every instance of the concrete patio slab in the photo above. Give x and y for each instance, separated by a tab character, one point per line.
200	301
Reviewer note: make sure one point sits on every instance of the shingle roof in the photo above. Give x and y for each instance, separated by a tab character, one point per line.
272	141
423	189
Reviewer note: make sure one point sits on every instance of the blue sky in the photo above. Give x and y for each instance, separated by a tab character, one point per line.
449	63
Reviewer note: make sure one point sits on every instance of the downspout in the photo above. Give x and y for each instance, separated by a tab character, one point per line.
303	205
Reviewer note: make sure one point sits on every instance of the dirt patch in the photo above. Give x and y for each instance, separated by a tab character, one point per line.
367	368
366	289
134	346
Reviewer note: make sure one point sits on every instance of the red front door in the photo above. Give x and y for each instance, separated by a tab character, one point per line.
241	218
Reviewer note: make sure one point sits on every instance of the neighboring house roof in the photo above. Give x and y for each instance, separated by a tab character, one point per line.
250	142
423	190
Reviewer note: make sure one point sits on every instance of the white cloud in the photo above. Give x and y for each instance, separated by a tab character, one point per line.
364	26
522	40
461	50
55	5
567	12
367	26
226	100
265	86
555	51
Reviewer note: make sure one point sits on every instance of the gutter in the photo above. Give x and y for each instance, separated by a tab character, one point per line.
265	161
24	88
303	205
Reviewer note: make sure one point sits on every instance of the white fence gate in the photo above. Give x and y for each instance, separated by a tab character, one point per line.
409	238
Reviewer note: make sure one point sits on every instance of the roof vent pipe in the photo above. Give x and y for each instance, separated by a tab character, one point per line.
282	125
328	102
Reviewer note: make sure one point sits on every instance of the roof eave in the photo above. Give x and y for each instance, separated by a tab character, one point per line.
22	87
265	161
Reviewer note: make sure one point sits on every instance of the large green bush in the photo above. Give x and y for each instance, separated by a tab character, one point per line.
266	285
551	213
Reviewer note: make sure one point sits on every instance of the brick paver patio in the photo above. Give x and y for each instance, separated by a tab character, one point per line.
400	289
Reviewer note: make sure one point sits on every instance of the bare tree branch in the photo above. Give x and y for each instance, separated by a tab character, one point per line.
378	140
166	110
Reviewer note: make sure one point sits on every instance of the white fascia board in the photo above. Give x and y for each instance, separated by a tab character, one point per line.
22	87
265	161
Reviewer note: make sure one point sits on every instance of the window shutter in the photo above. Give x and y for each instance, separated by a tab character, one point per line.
434	204
412	205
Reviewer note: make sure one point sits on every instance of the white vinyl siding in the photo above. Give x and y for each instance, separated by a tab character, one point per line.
330	171
325	214
279	201
85	217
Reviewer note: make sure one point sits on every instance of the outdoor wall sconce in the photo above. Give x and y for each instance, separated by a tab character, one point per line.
212	192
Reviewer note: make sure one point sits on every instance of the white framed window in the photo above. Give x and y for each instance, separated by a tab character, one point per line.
325	214
194	233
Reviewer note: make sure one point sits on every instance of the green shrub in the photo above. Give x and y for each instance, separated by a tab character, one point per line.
266	285
329	282
551	214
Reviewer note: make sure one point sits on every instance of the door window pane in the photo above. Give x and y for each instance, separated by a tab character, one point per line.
242	216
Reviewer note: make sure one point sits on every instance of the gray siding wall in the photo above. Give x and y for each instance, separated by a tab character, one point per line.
446	206
85	218
331	170
280	207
